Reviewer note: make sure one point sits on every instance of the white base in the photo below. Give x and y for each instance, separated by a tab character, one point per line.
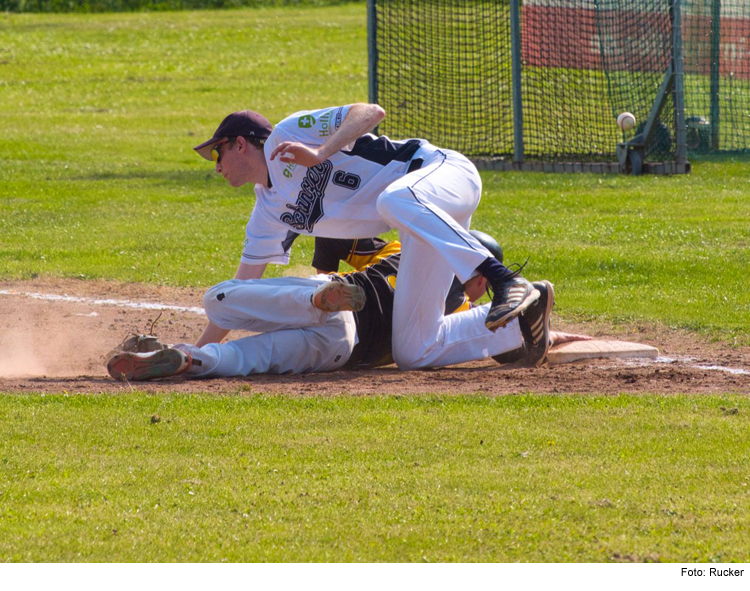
578	350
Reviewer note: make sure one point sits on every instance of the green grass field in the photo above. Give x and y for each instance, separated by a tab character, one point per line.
101	113
99	180
530	478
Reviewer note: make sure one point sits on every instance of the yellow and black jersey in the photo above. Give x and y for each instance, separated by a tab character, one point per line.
456	300
375	320
358	253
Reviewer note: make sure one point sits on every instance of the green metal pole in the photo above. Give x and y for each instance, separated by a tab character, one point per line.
372	51
715	67
515	52
679	85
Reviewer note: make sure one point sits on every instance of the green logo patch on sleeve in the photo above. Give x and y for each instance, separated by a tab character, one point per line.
306	121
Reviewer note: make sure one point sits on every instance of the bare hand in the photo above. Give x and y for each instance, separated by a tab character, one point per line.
297	153
558	338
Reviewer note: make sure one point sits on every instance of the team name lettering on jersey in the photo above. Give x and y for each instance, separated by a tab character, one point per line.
324	124
289	170
309	208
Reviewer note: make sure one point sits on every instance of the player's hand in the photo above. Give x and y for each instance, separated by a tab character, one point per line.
297	153
558	338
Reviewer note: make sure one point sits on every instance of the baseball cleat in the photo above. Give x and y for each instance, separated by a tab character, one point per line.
336	296
534	323
510	298
514	358
134	367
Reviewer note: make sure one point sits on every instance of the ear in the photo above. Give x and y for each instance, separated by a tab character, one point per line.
475	287
242	143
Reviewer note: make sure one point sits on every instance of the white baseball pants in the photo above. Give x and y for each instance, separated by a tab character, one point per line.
432	209
296	337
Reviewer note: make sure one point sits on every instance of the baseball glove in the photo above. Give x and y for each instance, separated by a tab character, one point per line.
139	343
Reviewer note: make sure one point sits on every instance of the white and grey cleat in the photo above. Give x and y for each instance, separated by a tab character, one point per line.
534	323
337	296
510	299
135	367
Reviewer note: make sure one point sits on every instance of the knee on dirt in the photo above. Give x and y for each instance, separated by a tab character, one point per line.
407	360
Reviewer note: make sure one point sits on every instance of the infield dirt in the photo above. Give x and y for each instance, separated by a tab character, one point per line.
61	345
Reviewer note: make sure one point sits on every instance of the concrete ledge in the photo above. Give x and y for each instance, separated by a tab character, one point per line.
595	167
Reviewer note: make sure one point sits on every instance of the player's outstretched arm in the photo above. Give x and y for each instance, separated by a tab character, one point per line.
360	119
211	334
245	271
558	338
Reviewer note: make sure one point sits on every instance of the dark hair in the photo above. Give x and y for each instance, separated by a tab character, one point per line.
256	142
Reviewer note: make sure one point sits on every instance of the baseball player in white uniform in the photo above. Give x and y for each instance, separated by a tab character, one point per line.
321	173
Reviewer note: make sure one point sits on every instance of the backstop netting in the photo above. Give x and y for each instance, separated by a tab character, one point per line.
585	62
443	71
716	42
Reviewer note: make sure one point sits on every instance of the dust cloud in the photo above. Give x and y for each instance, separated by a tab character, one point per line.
19	355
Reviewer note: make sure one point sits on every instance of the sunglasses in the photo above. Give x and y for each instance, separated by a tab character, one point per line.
216	151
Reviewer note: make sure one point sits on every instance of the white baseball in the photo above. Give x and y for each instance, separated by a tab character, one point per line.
626	121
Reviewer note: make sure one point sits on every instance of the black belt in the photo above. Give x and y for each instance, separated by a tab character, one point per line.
415	164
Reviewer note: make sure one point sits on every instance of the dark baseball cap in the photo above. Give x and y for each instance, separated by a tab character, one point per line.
241	123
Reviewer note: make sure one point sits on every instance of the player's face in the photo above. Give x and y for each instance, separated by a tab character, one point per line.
224	154
240	162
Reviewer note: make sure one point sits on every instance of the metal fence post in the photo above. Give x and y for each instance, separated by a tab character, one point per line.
515	52
372	50
715	69
679	85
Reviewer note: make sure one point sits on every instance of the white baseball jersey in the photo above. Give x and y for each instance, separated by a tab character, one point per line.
334	199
